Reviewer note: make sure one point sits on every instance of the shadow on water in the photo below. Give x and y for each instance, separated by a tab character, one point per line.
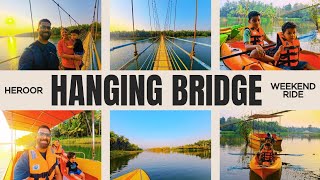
274	176
119	163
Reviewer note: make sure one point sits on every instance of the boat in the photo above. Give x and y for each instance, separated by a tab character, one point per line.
137	174
30	120
223	38
231	31
259	138
257	147
265	171
244	62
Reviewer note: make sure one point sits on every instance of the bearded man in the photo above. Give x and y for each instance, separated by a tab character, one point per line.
40	162
41	54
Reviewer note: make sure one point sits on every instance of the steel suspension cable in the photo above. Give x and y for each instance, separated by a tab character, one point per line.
34	37
192	53
65	12
59	14
134	34
149	15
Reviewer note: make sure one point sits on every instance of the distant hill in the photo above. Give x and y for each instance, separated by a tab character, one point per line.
28	34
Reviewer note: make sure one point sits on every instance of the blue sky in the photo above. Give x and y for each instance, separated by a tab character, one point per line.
162	128
120	14
80	10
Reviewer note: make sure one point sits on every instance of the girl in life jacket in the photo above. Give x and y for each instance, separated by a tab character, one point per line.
254	38
288	49
266	154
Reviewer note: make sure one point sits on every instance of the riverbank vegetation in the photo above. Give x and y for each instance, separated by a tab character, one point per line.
292	12
55	31
120	146
263	126
200	145
141	34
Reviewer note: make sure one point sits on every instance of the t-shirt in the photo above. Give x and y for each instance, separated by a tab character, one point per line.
22	168
78	47
63	48
72	166
39	56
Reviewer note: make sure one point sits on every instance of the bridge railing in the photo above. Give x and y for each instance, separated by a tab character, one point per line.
134	58
203	64
128	44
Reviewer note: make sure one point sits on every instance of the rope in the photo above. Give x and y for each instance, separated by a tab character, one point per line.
34	37
65	12
133	31
59	14
175	15
195	58
9	59
136	57
184	65
149	15
198	43
192	53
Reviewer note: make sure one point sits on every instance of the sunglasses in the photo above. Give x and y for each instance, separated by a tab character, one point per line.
43	27
42	134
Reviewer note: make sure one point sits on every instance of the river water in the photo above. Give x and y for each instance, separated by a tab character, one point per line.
298	167
166	166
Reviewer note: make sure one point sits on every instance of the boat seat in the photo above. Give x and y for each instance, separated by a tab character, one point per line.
66	176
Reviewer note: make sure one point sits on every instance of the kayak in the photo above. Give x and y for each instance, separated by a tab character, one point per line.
244	62
265	171
137	174
223	38
259	138
231	31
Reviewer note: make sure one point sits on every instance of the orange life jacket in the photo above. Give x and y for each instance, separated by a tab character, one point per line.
290	55
267	154
40	168
256	35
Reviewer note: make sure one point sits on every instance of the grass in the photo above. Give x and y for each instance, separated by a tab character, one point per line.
82	140
118	153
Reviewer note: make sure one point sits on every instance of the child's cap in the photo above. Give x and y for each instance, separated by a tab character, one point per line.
76	31
288	25
253	14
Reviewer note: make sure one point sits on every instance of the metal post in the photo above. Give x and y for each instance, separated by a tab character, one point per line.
93	150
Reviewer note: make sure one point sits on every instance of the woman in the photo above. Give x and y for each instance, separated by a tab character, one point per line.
60	153
65	51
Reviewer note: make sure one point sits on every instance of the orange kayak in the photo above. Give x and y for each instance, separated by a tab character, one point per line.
244	62
265	171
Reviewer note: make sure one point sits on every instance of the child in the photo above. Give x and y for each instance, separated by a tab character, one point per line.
72	167
77	47
254	37
288	49
266	156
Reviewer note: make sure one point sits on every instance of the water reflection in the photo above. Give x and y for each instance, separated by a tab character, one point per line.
119	163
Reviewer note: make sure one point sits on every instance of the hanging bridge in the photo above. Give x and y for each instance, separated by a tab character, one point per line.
164	51
91	57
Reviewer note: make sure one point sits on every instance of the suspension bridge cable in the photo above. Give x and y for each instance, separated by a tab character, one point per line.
59	14
175	15
65	12
70	21
192	53
34	37
133	31
149	15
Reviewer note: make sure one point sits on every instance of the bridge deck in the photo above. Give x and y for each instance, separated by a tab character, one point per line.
162	61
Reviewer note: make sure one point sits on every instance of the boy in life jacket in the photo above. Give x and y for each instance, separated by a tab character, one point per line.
266	155
254	37
72	167
288	49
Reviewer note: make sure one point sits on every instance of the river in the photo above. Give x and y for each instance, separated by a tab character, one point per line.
14	46
166	166
121	56
272	28
298	167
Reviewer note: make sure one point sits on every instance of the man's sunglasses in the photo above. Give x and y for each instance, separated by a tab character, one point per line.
42	134
43	27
